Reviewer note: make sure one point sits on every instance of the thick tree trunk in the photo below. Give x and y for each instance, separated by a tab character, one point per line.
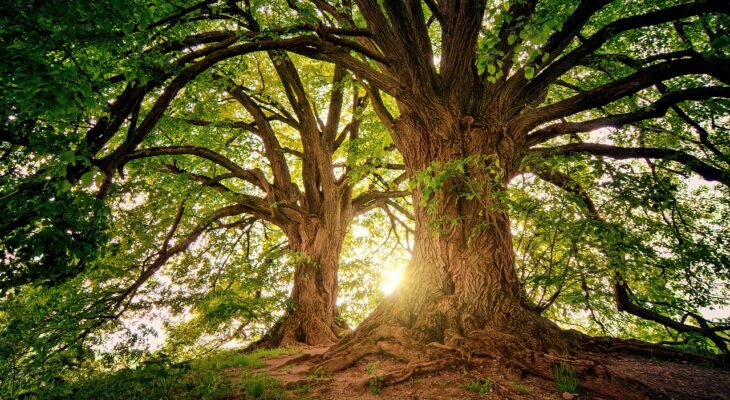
314	293
460	290
460	283
312	318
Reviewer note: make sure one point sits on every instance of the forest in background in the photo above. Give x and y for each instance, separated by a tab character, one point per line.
180	177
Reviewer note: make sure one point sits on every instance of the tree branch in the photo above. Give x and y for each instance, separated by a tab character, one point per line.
274	152
620	289
367	201
631	84
655	110
305	44
624	303
253	176
565	63
698	166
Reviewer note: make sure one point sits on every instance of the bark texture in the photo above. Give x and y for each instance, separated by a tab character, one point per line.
312	318
460	291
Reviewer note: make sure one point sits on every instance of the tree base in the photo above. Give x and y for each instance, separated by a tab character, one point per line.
605	376
383	333
297	329
511	349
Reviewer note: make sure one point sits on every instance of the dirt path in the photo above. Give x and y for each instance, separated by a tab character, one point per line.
485	379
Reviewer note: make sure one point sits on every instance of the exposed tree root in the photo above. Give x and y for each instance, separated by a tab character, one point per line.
415	369
504	348
637	347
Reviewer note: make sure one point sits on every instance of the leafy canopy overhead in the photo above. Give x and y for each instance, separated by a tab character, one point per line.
144	144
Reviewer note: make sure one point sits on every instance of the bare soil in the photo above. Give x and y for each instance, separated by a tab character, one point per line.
674	380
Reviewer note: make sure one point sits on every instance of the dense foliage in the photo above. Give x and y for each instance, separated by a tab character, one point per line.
103	246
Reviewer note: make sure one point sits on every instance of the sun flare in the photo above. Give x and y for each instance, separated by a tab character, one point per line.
390	279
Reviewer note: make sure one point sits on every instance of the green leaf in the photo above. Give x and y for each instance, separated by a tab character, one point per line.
65	186
87	179
529	72
99	179
68	157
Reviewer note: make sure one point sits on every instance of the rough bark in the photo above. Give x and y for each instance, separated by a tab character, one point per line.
460	291
312	318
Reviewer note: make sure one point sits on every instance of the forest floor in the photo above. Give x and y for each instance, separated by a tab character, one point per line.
482	379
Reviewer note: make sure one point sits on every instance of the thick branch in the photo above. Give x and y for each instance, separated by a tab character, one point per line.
112	161
261	208
621	292
274	152
367	201
335	107
460	31
693	163
624	303
253	176
565	63
571	27
224	124
656	110
181	245
631	84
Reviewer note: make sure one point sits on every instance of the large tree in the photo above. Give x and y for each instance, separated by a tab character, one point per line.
314	214
328	171
474	94
491	97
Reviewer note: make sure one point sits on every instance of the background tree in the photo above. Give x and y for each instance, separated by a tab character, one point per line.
313	215
191	183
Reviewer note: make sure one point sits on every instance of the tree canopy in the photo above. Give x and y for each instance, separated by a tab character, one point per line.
254	166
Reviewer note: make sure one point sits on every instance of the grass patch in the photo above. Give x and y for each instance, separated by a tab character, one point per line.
203	378
480	386
261	386
318	373
304	389
522	388
376	378
566	379
236	359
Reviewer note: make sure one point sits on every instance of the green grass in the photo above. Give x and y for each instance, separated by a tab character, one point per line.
261	386
480	386
521	388
236	359
304	389
566	379
318	373
203	378
375	381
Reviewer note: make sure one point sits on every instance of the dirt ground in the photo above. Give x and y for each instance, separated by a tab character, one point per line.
671	380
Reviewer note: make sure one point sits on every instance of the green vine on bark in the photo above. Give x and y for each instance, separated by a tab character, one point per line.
473	178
